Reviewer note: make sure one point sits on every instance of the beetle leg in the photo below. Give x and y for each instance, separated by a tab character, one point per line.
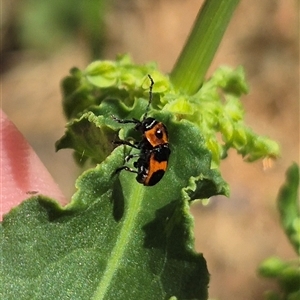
123	142
126	169
134	121
130	156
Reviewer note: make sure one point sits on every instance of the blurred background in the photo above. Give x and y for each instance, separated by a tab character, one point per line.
42	40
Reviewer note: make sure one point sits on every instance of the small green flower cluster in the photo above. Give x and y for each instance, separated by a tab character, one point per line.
215	108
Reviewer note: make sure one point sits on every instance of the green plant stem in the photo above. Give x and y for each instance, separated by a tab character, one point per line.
202	44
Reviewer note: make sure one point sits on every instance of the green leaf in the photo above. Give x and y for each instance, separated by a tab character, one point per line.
90	136
117	239
294	296
78	95
289	279
102	73
287	273
272	267
288	205
271	295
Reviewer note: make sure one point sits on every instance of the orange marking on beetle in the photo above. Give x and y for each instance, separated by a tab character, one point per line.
157	135
155	166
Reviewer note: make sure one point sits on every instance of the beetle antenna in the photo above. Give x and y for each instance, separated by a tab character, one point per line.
150	96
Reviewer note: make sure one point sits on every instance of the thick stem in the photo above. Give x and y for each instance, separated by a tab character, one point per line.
202	44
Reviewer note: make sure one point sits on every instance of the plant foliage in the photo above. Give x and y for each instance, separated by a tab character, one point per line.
286	273
118	239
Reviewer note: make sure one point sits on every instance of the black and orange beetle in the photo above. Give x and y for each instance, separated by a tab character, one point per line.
154	147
